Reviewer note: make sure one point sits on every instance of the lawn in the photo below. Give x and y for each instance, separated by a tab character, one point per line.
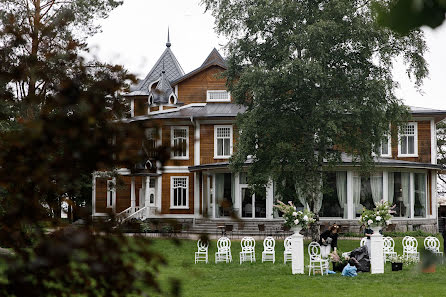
267	279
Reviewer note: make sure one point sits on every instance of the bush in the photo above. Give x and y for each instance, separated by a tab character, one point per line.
79	262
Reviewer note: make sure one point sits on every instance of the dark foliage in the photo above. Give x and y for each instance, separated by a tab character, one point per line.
58	114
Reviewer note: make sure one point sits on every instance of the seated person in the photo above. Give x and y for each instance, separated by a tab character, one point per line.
328	240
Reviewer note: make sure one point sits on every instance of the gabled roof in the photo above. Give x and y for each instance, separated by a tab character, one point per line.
167	62
213	59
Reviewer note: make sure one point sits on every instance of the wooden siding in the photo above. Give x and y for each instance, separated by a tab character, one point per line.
165	195
101	196
424	144
123	192
193	89
140	105
207	144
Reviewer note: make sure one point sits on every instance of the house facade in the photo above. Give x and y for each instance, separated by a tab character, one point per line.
194	115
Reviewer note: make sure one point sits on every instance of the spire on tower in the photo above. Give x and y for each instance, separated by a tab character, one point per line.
168	44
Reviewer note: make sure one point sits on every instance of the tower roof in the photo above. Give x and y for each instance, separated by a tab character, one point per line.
168	63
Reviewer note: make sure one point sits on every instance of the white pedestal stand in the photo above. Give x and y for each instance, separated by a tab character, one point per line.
377	253
297	253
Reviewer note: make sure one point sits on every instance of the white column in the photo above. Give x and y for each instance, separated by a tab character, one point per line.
93	194
159	181
377	253
132	195
434	193
350	206
237	200
196	195
433	142
214	212
197	144
114	195
297	253
412	194
385	185
146	195
269	200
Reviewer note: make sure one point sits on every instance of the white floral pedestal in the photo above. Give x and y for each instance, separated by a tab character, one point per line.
297	253
377	251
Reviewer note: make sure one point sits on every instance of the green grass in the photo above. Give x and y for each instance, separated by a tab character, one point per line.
267	279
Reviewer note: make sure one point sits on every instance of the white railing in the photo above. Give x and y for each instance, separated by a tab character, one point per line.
139	214
124	214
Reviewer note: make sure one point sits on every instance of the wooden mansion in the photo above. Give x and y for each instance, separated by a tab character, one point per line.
194	113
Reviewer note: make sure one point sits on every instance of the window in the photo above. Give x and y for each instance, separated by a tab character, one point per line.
222	141
408	145
408	192
224	194
180	142
420	195
385	149
334	198
367	190
179	194
110	193
150	142
399	193
218	96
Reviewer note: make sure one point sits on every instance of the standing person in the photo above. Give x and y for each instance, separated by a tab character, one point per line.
328	240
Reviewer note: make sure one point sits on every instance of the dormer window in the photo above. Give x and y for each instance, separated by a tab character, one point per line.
153	85
172	99
218	96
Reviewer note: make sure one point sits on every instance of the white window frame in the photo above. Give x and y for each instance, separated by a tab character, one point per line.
389	147
230	141
172	206
111	190
172	140
209	92
415	154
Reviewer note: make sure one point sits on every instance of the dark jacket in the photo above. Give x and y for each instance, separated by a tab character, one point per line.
330	238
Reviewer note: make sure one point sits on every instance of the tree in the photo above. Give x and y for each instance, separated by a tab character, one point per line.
40	45
316	77
406	15
60	113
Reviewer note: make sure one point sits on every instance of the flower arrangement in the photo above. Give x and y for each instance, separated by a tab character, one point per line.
337	257
404	260
293	217
380	216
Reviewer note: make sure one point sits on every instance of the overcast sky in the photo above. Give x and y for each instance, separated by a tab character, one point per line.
135	35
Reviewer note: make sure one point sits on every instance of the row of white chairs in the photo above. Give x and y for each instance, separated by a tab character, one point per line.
410	247
223	254
247	254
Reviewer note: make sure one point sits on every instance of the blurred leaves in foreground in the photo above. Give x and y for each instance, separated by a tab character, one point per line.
58	113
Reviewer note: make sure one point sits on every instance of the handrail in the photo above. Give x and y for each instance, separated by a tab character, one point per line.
136	215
